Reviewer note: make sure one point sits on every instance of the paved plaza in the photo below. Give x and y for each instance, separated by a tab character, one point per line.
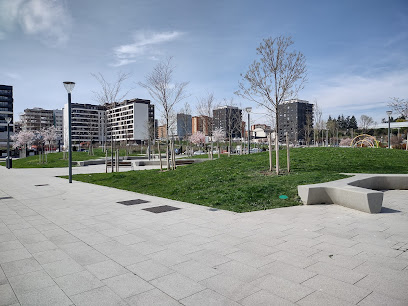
74	244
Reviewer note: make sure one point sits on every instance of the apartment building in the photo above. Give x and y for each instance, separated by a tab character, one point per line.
229	119
131	120
87	123
294	118
6	111
201	124
184	125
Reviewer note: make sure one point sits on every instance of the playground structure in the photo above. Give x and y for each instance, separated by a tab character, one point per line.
365	140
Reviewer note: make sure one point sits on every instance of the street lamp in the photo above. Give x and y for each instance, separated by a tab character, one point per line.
69	86
248	110
389	128
8	160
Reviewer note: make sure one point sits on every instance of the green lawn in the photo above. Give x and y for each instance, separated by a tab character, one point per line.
55	160
241	183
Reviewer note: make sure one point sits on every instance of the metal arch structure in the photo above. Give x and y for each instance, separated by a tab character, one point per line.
365	140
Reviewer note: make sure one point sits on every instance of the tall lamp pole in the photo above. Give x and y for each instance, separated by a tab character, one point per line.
69	86
8	161
248	110
389	128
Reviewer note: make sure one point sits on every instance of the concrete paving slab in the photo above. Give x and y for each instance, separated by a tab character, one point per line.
98	297
128	284
328	240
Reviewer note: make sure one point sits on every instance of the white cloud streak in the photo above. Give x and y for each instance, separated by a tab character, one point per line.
47	20
350	92
146	44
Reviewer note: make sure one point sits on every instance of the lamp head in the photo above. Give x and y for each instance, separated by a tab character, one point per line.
389	113
248	109
69	86
8	120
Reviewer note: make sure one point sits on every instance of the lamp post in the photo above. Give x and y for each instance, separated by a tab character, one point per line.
8	160
389	128
69	86
248	110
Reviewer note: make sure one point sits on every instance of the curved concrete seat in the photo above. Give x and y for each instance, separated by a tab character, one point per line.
361	192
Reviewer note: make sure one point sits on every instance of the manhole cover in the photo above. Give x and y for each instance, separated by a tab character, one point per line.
160	209
133	202
40	185
5	198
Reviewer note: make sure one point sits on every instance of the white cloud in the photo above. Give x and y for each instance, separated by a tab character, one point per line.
47	20
353	92
145	44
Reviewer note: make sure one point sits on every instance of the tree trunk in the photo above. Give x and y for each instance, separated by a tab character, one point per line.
270	152
277	153
287	152
161	163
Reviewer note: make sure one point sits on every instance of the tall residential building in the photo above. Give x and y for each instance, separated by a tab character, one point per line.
184	125
6	111
201	124
131	120
294	118
229	119
87	123
162	132
35	119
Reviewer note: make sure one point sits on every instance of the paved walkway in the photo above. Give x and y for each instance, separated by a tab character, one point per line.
73	244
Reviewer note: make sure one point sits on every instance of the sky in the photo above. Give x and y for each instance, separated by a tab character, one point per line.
356	51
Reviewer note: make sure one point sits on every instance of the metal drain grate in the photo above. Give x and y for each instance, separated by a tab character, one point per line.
40	185
161	209
133	202
5	198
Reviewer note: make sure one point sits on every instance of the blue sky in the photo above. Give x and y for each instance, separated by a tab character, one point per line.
356	51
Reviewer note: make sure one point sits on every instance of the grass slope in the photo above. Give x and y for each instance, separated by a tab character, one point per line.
54	160
240	183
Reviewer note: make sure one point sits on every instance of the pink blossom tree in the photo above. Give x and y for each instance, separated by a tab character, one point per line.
22	140
198	138
345	142
49	136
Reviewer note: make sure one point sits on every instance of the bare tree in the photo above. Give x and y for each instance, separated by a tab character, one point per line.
400	106
318	121
205	107
278	74
110	93
308	127
167	94
233	122
366	122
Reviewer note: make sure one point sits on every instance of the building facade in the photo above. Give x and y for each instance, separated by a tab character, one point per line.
184	125
131	120
296	119
6	111
229	119
87	123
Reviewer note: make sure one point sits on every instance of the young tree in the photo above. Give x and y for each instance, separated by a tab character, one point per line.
165	92
218	135
318	121
198	138
278	74
400	106
22	140
308	127
110	93
205	107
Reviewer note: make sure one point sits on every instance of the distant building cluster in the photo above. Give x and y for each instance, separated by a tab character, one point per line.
133	121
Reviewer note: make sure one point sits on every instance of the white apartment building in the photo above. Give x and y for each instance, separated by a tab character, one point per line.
131	120
87	123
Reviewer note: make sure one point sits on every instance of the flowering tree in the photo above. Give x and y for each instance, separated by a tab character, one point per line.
49	136
198	138
22	140
345	142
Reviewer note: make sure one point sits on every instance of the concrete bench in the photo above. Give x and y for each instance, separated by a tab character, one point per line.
361	192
